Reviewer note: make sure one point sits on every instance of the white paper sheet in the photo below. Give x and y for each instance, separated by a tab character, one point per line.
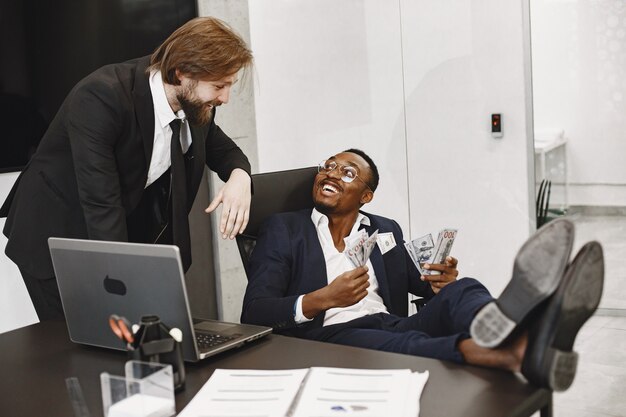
314	392
361	392
246	393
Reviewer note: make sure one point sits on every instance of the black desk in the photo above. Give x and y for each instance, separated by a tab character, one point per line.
35	360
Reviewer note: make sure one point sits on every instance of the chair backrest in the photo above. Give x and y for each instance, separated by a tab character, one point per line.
543	202
275	192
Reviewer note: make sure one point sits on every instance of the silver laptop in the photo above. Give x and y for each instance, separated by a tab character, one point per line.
98	278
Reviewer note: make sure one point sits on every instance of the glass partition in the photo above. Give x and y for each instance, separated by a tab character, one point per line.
579	91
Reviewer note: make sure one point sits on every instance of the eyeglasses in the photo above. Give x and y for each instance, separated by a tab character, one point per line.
348	173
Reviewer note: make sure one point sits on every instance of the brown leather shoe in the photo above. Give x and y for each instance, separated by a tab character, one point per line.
549	360
537	271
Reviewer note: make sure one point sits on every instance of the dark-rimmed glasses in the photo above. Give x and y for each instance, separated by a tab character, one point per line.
348	173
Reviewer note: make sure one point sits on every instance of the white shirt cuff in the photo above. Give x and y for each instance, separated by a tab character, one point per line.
298	316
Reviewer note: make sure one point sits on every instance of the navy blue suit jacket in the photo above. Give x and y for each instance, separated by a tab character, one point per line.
288	262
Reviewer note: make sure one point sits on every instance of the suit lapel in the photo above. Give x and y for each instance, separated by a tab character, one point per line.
144	108
315	274
316	264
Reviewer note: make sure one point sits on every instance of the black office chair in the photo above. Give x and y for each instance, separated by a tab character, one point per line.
275	192
546	214
279	192
543	202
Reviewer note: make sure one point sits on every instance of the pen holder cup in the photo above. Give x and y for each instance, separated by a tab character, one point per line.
155	344
146	390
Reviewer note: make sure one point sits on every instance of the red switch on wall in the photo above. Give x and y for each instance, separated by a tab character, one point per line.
496	125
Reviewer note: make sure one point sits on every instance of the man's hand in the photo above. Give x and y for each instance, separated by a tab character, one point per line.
235	196
448	274
347	289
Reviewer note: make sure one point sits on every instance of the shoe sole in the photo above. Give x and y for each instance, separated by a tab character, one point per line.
576	303
536	276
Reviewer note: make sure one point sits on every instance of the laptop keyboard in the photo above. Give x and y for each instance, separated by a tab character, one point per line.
208	340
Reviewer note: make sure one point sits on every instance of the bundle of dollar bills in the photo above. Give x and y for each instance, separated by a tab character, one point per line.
359	247
422	250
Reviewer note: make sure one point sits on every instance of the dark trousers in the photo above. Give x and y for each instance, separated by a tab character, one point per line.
433	332
44	293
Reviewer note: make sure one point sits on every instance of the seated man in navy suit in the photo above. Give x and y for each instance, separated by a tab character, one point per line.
302	284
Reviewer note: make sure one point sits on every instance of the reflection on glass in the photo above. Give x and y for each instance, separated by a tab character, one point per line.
579	98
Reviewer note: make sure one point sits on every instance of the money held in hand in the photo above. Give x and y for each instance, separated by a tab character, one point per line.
422	250
359	247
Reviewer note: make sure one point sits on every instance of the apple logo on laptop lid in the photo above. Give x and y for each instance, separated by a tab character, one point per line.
114	286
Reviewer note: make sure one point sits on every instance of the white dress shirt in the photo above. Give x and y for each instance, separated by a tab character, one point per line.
336	264
163	116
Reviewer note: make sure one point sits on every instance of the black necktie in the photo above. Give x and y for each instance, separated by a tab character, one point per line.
180	221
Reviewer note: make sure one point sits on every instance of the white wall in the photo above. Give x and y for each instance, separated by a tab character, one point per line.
16	309
463	61
330	78
579	79
413	83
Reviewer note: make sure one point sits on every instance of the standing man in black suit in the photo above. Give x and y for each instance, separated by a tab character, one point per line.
123	158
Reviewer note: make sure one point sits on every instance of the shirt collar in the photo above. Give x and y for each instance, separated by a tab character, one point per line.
319	219
162	108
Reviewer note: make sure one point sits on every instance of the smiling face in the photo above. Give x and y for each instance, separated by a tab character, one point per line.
331	195
197	98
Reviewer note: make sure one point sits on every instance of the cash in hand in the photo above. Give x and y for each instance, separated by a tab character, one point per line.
359	247
422	250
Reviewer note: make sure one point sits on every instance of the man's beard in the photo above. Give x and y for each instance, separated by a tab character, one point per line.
322	207
196	111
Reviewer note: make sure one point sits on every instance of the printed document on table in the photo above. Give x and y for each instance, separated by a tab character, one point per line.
243	393
361	392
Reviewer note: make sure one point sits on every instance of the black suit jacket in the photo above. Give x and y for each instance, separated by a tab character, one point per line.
91	167
288	261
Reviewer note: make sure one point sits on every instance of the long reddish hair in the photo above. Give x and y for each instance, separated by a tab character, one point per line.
203	48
